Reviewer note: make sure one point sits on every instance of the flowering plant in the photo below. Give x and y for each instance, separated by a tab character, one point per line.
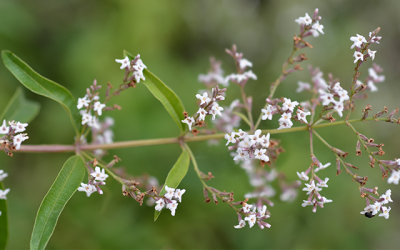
256	150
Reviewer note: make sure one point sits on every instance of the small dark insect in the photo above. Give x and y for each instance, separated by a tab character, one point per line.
369	215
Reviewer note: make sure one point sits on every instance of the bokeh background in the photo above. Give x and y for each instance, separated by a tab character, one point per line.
74	42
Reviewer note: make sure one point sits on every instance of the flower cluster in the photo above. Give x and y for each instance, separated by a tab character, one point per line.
170	199
96	179
253	217
207	106
372	209
362	45
91	102
314	197
395	176
312	25
11	141
249	146
242	76
373	78
327	98
286	111
135	66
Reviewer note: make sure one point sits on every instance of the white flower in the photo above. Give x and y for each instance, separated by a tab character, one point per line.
243	63
289	105
323	183
4	129
19	127
358	56
306	20
83	102
375	208
267	112
98	107
358	40
139	65
99	175
338	107
245	143
178	194
265	140
125	62
108	136
303	86
216	110
88	188
318	27
374	75
309	187
249	74
262	211
241	155
3	194
385	212
2	175
230	138
242	223
203	98
86	118
172	206
302	176
241	134
256	137
343	95
325	200
307	203
246	209
319	81
325	97
160	204
138	75
387	197
170	192
202	114
371	54
251	219
18	139
320	167
189	121
301	115
260	154
372	86
285	121
394	177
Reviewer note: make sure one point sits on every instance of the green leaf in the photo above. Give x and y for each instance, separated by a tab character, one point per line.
3	222
175	175
164	94
42	86
20	109
65	185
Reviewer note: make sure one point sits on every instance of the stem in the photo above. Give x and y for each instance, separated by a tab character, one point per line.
247	108
148	142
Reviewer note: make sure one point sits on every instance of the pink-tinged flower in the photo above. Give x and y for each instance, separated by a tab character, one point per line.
251	219
160	204
320	167
125	62
256	137
246	209
88	188
323	183
216	110
309	187
18	139
358	56
241	155
303	86
372	86
189	121
172	206
325	200
202	114
204	99
387	197
262	211
19	127
343	95
325	97
260	154
241	134
264	140
4	129
385	212
242	223
306	203
357	41
306	20
374	75
338	107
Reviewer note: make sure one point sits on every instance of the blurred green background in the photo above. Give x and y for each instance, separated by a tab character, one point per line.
74	42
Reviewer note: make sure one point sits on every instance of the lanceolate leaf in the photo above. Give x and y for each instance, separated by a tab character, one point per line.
175	175
65	185
164	94
42	86
3	222
20	109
